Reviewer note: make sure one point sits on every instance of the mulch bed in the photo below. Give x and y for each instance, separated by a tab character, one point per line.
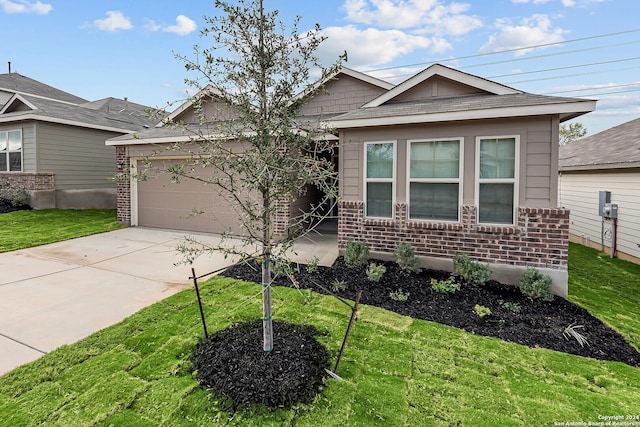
6	207
537	324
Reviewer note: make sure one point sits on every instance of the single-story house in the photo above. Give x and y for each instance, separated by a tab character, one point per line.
52	143
446	161
606	161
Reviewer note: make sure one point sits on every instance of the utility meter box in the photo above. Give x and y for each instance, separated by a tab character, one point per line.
604	197
610	210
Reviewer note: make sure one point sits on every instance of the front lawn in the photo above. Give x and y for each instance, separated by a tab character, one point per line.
28	228
397	371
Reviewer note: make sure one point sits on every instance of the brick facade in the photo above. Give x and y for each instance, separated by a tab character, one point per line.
123	186
540	239
30	181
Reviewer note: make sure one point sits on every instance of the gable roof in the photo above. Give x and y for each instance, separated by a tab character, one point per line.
127	117
448	73
615	148
17	83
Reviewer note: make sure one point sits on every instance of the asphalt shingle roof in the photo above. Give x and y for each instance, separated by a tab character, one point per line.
618	146
15	82
128	118
453	104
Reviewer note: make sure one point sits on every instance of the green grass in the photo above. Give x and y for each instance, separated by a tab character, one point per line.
608	288
397	371
25	229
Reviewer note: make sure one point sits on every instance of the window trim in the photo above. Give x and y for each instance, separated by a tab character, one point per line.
392	180
515	180
8	151
458	180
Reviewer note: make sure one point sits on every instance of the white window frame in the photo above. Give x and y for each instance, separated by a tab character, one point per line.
515	180
7	151
458	180
392	180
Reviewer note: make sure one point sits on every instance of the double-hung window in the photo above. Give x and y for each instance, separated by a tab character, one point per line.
497	164
379	179
11	151
434	179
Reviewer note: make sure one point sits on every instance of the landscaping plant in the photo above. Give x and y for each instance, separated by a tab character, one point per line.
534	284
356	253
472	272
375	272
449	285
406	257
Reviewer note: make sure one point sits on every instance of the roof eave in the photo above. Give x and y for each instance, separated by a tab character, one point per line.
564	109
602	166
37	117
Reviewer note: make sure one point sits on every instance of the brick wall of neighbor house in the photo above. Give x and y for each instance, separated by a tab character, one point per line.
540	239
123	186
31	181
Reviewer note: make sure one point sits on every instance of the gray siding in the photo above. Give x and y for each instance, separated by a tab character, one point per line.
436	87
78	156
342	94
536	189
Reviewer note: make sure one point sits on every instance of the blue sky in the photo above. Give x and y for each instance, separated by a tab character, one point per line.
578	48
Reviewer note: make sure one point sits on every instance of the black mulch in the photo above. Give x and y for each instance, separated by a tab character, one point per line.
538	324
6	207
233	363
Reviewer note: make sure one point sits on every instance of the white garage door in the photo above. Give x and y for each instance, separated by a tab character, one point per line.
164	204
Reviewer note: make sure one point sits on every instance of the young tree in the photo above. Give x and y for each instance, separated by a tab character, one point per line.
572	132
262	153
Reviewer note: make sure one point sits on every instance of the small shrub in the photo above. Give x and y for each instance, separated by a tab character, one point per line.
472	272
338	285
445	286
13	194
481	310
356	254
513	307
375	272
406	257
399	295
312	265
535	284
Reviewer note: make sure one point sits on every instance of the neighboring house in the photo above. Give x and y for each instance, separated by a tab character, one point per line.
606	161
446	161
52	142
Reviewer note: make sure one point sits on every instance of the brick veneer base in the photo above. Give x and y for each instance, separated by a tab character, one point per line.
123	186
30	181
540	239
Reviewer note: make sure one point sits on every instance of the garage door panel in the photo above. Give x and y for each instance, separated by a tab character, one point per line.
165	204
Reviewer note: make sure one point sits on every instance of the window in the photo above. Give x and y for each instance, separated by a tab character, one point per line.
434	179
496	193
11	151
379	177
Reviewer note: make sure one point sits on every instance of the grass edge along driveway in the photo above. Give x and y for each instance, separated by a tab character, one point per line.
26	229
397	371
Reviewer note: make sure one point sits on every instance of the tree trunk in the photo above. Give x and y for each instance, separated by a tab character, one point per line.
267	325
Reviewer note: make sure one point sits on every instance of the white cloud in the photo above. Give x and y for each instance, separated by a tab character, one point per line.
184	26
372	46
114	21
23	6
429	16
533	31
152	26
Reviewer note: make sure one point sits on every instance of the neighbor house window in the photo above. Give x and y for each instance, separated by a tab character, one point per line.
497	163
434	179
11	151
379	177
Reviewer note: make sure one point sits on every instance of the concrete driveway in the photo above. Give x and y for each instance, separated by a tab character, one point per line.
62	292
